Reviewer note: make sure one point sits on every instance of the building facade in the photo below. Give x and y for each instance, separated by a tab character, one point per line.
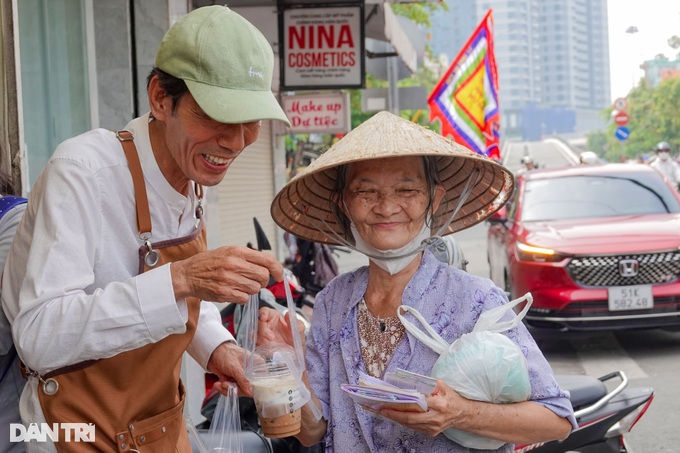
660	69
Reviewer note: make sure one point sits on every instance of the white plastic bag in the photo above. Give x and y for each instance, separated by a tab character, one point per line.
482	365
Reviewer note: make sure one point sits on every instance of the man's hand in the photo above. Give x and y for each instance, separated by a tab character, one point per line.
226	362
227	274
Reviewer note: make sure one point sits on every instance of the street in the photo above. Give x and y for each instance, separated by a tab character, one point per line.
549	153
647	357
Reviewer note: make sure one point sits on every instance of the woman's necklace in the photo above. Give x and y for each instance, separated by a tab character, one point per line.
380	321
379	337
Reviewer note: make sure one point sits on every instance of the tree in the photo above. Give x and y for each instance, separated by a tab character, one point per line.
597	142
420	14
653	116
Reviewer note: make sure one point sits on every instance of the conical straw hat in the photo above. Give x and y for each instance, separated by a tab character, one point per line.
304	206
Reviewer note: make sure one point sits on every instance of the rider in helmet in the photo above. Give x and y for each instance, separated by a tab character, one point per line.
588	158
528	163
666	165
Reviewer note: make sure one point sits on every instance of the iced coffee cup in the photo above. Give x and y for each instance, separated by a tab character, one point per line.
277	399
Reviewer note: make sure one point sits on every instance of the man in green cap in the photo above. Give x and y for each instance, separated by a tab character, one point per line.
106	281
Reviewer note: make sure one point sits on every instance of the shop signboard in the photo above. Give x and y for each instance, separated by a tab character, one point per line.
322	47
317	113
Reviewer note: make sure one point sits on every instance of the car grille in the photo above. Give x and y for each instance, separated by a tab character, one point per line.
595	315
653	268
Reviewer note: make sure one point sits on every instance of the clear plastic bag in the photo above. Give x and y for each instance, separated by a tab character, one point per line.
482	365
273	367
225	426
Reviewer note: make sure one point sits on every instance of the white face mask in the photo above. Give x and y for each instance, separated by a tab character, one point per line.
392	261
664	155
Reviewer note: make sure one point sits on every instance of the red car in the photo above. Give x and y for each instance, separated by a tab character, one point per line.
598	246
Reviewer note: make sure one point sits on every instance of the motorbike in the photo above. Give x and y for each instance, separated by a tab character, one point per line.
604	414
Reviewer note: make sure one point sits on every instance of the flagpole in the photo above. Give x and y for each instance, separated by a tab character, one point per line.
393	80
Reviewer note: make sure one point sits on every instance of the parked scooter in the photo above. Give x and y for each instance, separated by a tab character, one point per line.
604	416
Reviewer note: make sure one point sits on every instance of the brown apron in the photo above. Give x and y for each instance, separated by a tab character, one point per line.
136	398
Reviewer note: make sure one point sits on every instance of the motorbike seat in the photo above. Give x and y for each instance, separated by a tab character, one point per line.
584	390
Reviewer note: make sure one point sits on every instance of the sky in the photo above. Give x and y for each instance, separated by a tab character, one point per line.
656	21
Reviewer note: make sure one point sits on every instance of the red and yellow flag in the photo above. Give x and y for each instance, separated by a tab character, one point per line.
465	100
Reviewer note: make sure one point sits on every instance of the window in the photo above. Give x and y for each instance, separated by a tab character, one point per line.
588	196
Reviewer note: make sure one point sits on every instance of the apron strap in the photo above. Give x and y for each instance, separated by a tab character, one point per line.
142	202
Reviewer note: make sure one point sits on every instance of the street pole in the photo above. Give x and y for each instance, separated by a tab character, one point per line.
393	80
632	30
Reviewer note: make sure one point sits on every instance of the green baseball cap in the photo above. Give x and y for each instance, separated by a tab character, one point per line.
226	63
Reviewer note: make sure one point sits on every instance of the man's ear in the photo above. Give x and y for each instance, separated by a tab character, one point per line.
160	103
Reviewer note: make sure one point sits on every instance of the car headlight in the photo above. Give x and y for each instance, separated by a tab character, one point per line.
526	252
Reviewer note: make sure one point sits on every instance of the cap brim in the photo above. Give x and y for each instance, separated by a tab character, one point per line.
228	105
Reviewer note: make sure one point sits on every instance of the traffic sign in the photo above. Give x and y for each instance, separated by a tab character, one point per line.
622	133
621	118
621	104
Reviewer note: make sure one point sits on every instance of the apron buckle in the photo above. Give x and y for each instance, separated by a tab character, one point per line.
152	256
50	386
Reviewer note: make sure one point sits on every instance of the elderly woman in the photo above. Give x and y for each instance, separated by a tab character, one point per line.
385	189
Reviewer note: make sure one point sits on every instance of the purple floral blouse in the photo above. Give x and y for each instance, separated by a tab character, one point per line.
451	300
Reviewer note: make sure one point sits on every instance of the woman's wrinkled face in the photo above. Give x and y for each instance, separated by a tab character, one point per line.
387	200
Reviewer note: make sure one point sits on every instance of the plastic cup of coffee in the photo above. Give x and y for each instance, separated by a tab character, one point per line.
276	392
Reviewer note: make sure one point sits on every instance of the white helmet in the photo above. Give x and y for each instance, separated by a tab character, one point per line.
589	157
663	146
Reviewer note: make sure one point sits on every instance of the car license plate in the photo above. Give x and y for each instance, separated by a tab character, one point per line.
630	298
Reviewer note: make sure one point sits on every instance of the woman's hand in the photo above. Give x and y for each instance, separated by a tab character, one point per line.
445	408
517	423
273	327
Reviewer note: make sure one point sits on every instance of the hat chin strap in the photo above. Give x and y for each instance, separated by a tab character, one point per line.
476	174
